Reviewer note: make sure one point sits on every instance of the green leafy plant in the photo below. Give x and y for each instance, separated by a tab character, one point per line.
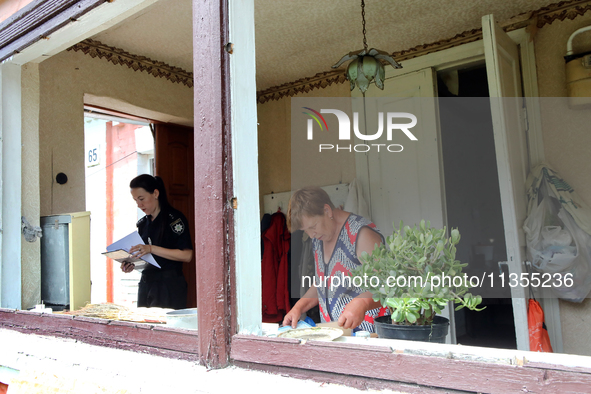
415	274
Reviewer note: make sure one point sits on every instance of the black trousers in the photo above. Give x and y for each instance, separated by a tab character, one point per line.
163	289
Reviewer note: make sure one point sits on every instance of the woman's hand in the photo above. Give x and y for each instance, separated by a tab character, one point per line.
353	314
127	267
308	301
140	250
293	317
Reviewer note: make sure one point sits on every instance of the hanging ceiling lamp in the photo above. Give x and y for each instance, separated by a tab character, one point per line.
366	66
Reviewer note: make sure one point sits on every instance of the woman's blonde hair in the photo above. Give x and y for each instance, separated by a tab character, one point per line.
307	201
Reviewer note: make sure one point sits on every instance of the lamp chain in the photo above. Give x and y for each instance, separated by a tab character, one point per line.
363	19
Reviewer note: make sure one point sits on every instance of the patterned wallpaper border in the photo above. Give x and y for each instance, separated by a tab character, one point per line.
561	11
535	19
114	55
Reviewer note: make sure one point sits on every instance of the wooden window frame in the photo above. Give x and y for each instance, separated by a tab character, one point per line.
145	338
35	21
415	369
423	369
224	317
430	369
38	20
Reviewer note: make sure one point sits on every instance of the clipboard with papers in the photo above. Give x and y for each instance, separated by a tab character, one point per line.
119	251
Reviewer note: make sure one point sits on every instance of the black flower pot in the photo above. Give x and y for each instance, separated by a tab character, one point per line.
433	333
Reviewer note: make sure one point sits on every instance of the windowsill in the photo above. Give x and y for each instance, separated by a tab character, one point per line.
405	362
457	352
142	337
474	353
359	362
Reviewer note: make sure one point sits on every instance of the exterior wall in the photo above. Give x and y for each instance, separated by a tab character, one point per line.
66	79
566	148
275	147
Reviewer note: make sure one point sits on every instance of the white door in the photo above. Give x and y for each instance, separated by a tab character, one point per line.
504	81
406	185
403	185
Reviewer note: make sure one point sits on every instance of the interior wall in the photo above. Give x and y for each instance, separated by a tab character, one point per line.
274	138
65	80
566	148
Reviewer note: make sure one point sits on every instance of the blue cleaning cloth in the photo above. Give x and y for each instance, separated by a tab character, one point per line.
301	324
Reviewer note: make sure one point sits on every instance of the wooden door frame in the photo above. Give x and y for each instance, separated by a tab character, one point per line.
163	135
504	83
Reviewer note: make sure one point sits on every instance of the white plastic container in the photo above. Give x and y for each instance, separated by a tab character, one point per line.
182	318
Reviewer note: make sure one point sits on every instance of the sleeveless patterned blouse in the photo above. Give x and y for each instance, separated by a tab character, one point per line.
341	263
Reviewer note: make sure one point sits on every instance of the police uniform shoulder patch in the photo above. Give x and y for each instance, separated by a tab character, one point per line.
177	226
141	221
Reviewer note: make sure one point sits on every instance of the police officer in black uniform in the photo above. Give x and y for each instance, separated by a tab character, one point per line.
165	232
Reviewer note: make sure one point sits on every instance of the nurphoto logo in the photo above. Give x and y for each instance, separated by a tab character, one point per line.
392	120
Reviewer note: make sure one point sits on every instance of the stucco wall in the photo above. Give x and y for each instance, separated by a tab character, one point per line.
274	134
66	79
566	148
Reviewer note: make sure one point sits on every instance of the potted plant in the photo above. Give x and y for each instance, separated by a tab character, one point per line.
415	274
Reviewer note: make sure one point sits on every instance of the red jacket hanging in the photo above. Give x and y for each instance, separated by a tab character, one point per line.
274	270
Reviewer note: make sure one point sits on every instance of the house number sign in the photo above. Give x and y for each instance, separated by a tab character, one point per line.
93	157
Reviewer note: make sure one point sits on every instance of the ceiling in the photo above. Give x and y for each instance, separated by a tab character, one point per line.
297	39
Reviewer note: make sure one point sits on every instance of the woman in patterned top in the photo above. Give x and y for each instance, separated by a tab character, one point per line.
339	238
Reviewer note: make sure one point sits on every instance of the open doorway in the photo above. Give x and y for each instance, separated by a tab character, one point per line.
118	147
116	150
473	202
